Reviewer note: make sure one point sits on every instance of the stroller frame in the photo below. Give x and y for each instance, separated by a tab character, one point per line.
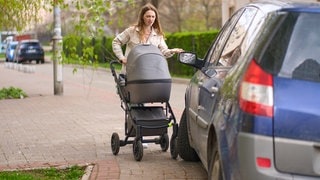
151	119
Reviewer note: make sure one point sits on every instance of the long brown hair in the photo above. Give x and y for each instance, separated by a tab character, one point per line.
156	25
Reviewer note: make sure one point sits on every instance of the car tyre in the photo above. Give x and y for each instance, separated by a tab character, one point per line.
214	170
186	152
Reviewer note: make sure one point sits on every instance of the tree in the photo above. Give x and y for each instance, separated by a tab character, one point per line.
174	14
211	8
18	14
153	2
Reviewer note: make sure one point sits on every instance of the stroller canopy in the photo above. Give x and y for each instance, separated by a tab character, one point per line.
148	77
145	61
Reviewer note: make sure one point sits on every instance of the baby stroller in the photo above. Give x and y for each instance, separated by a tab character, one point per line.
144	92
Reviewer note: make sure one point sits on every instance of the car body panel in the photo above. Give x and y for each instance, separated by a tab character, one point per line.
297	129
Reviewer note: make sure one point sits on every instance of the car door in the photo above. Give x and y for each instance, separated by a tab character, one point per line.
206	82
222	60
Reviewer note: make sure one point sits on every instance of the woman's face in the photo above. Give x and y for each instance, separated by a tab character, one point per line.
149	17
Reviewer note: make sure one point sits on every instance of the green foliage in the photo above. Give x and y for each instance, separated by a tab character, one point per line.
12	93
94	51
197	42
72	173
18	14
87	51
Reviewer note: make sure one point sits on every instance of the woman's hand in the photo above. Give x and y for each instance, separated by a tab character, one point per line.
123	61
176	50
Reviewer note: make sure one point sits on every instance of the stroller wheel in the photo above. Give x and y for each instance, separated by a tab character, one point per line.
174	147
164	142
137	149
115	143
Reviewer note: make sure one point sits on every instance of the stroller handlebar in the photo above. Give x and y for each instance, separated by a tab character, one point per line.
112	64
114	74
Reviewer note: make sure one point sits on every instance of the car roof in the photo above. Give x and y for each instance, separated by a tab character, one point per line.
286	5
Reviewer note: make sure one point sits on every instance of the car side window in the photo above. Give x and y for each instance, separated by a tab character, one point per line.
232	48
222	36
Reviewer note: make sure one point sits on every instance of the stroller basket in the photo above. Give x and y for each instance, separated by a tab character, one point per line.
152	121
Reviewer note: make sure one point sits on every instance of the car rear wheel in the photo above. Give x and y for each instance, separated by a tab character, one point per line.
186	152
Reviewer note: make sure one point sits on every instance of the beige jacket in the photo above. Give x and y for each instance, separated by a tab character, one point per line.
130	38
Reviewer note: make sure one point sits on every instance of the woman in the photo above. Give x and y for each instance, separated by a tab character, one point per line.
147	31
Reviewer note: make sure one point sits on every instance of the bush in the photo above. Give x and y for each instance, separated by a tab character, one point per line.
12	93
86	51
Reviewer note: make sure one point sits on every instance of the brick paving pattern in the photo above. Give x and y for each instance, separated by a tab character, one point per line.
44	130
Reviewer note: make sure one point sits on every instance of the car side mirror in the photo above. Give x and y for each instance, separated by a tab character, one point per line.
190	59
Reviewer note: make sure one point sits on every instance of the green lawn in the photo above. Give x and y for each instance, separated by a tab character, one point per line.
72	173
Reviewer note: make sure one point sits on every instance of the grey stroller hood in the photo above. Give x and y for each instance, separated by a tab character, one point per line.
148	77
146	62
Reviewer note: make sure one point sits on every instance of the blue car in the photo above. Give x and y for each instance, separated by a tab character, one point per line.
29	50
252	108
10	51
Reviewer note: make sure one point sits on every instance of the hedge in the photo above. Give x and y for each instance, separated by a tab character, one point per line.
99	50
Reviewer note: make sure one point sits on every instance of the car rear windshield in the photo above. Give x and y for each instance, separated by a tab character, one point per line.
294	49
31	44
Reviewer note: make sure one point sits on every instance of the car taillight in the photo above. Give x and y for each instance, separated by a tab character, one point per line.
256	91
263	162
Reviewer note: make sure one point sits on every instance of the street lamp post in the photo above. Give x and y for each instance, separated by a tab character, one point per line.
57	48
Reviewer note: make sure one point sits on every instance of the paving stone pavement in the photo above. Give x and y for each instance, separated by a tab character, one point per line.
44	130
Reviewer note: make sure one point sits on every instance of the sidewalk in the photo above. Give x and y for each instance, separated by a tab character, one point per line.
44	130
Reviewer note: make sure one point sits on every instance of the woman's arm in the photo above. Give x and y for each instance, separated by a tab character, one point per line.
117	43
166	51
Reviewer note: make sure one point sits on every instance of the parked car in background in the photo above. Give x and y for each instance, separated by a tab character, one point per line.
29	50
252	107
10	51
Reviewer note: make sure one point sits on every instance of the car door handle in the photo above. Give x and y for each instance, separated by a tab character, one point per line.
201	108
214	89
